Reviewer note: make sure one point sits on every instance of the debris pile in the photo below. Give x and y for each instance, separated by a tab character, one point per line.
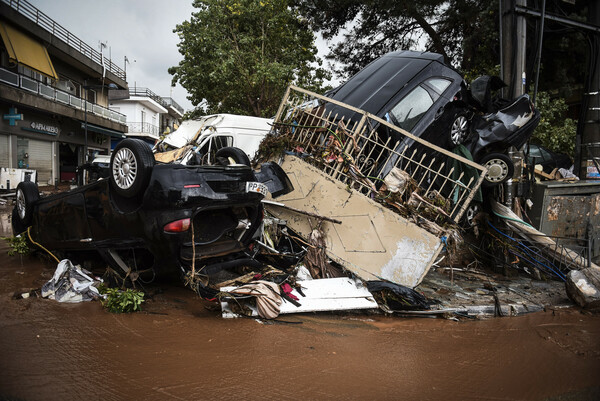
364	211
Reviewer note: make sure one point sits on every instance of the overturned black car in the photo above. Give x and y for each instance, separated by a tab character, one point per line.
420	93
161	217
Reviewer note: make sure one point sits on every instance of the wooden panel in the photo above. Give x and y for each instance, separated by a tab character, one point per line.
372	241
321	295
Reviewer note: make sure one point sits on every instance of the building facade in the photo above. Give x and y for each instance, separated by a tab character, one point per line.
46	76
148	115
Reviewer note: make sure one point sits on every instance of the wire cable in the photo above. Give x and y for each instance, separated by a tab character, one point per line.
40	245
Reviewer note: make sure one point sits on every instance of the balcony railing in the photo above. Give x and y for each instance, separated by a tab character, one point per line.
145	92
51	93
139	128
28	10
172	103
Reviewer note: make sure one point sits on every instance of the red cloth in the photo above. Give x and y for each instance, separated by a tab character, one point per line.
287	290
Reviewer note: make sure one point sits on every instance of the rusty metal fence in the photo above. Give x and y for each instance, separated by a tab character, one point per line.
360	152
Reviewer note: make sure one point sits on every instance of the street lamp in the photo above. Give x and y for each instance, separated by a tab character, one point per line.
85	101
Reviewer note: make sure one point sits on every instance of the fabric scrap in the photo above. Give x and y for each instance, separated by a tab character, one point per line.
71	284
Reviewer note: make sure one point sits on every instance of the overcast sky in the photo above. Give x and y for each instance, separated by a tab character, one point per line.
141	30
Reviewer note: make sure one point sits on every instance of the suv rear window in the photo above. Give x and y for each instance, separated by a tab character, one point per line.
407	113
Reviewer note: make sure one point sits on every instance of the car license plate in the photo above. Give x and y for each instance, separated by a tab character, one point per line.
257	187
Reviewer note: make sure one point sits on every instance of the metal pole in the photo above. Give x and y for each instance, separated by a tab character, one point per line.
500	23
85	148
539	52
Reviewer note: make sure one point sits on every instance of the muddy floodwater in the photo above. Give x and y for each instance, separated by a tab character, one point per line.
179	348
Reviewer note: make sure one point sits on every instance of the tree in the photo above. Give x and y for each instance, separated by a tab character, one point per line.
461	30
555	132
240	55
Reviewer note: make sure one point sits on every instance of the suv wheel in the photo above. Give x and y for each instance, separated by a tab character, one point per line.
459	129
500	168
238	156
130	167
27	195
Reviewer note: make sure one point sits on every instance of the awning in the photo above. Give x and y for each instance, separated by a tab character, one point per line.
27	51
102	130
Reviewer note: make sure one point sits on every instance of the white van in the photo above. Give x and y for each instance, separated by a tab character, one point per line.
201	138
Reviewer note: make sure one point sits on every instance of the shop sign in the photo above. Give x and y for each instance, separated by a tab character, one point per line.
48	129
13	116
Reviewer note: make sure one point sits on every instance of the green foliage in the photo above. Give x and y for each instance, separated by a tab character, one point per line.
478	71
554	131
18	245
122	301
464	31
239	56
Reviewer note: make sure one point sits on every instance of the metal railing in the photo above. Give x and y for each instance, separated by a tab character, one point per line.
166	102
28	10
53	94
145	92
362	153
143	128
172	103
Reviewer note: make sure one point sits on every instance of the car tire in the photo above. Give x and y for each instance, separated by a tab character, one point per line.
27	194
237	154
459	130
131	167
468	218
500	168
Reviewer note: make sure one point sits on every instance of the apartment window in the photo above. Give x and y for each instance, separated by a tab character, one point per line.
28	72
91	96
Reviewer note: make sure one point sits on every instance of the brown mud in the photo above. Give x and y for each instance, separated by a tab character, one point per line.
179	348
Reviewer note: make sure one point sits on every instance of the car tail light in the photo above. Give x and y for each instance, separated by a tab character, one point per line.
177	226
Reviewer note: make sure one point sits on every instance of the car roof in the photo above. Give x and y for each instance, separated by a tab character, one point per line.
372	87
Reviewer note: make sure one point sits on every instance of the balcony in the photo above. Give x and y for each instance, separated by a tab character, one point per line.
143	129
42	20
169	102
48	92
145	92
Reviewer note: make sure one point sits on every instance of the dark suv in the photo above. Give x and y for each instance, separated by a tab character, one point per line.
419	93
159	216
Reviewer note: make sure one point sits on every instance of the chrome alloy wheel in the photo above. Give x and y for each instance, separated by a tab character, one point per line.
21	205
458	132
497	170
124	168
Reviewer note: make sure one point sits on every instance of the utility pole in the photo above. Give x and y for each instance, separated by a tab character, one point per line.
514	35
587	154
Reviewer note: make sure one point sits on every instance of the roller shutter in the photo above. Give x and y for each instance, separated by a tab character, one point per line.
40	159
3	150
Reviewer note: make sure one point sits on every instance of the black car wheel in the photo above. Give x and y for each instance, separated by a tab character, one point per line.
500	168
238	155
130	167
459	129
469	217
27	195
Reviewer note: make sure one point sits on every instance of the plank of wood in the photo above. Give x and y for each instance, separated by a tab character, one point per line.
331	294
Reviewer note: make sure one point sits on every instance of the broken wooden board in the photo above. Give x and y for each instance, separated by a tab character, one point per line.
330	294
372	241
